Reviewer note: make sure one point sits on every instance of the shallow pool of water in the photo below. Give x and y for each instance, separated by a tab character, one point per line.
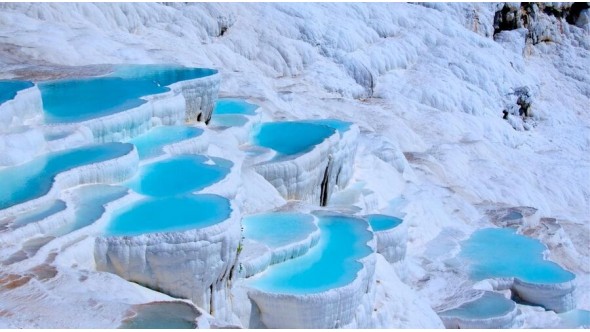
151	143
277	229
8	89
162	315
225	106
291	137
381	222
169	214
339	125
330	264
76	100
179	175
39	213
501	253
575	319
488	306
34	179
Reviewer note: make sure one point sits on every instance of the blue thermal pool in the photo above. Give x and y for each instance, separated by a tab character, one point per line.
151	143
228	120
339	125
225	106
488	306
513	215
330	264
162	315
8	89
90	205
381	222
34	179
501	253
179	175
76	100
575	319
169	214
39	213
278	229
291	137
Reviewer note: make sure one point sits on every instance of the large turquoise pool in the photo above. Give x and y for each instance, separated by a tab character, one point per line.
151	143
179	174
330	264
34	179
77	100
291	137
501	253
8	89
277	229
169	214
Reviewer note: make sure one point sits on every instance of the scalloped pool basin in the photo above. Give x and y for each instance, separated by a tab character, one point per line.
38	213
169	214
381	222
34	179
488	305
501	253
179	174
151	143
75	100
331	264
277	229
9	89
291	137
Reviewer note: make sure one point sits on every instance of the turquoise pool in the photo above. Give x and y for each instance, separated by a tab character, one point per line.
225	106
151	143
278	229
34	179
291	137
169	214
8	89
330	264
339	125
179	174
83	99
162	315
39	213
575	319
381	222
488	306
501	253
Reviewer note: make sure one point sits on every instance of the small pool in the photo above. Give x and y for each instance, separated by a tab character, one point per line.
489	305
38	213
77	100
381	222
89	206
575	319
151	143
8	89
228	120
225	106
169	214
179	174
291	137
339	125
501	253
162	315
330	264
34	179
278	229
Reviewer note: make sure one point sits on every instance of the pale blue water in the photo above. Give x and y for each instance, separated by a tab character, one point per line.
488	306
330	264
575	319
34	179
228	120
41	212
233	106
90	205
513	215
381	222
162	315
169	214
8	89
277	229
339	125
291	137
179	175
151	143
82	99
501	253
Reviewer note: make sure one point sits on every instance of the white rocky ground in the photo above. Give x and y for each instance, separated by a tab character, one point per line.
425	84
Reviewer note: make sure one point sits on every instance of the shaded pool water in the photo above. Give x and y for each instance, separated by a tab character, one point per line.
277	229
169	214
8	89
34	179
501	253
330	264
487	306
38	213
179	175
291	137
151	143
381	222
161	315
224	106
